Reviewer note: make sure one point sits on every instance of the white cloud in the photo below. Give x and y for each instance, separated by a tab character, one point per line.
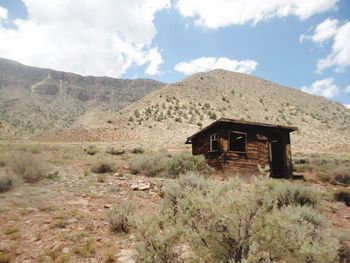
340	50
3	14
221	13
340	55
204	64
324	87
87	37
347	89
323	32
347	105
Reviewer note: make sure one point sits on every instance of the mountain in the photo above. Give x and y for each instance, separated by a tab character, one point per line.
34	100
165	117
58	106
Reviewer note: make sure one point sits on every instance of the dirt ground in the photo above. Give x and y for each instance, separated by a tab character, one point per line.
68	213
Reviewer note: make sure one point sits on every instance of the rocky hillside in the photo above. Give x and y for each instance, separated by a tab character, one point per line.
34	100
167	116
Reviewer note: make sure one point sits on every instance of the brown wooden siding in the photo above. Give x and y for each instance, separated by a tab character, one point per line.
258	139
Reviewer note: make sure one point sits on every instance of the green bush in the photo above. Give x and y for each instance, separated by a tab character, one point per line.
29	167
231	222
119	217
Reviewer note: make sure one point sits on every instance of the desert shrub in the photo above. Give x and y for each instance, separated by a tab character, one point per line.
119	217
91	150
212	116
6	183
165	164
186	162
231	222
2	163
114	151
157	246
138	150
103	167
343	196
29	167
53	176
5	258
88	249
341	175
151	165
101	178
296	234
284	193
34	149
344	251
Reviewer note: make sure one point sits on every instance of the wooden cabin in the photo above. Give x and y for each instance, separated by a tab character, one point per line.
243	147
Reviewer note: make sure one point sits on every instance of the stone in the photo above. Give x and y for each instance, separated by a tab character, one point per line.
144	186
72	220
65	250
140	186
107	206
127	256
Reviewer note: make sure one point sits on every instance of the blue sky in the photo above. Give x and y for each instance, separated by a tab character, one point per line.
291	43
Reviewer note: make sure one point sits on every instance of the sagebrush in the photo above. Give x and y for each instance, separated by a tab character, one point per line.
231	222
163	163
31	168
119	216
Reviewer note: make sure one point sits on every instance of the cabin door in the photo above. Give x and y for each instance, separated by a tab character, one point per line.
276	157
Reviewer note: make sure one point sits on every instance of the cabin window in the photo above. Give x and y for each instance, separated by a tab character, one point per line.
238	142
214	142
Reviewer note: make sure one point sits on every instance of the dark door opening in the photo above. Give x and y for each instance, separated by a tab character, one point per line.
277	157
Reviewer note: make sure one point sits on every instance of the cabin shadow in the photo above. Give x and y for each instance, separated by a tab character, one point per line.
245	148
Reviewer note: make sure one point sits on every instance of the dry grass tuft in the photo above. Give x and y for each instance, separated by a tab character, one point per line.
86	250
29	167
119	217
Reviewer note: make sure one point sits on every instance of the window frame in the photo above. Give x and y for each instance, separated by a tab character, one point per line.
245	141
211	142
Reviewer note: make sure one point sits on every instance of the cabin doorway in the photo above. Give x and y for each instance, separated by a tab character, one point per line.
276	157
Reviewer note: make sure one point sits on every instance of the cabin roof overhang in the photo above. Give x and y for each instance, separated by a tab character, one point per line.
242	122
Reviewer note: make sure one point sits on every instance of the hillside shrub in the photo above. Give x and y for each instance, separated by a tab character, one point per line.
6	183
114	151
341	175
297	234
186	162
231	222
91	150
119	217
343	196
165	164
283	193
29	167
138	150
103	167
